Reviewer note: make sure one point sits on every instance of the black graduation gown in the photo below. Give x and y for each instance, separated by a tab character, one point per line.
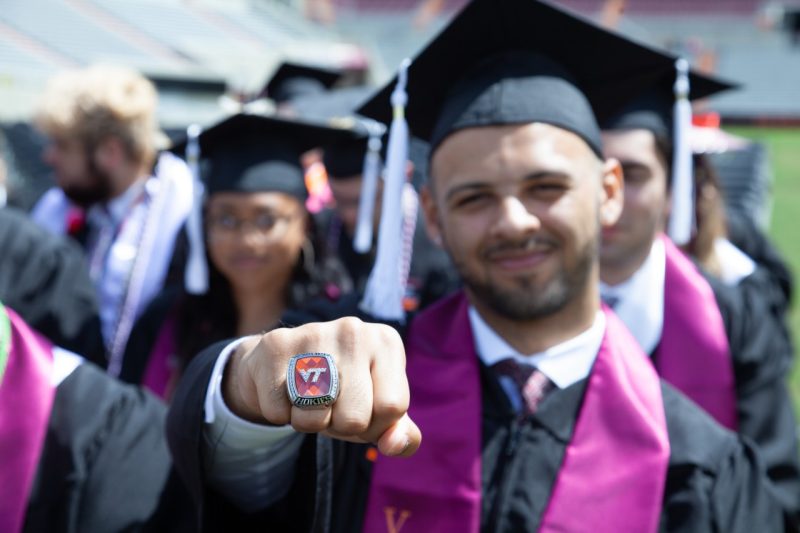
431	277
105	466
45	279
752	241
761	361
715	482
760	285
145	333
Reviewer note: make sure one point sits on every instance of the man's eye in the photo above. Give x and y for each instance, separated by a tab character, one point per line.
471	199
549	187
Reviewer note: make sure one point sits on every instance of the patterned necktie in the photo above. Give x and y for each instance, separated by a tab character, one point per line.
531	383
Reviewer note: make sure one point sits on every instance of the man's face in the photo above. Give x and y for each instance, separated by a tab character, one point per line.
627	244
346	192
76	171
518	208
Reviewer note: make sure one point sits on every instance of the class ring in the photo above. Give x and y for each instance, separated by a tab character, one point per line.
312	380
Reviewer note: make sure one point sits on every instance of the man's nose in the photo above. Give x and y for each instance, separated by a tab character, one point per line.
515	219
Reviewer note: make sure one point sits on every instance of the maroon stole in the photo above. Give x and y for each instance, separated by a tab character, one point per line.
693	354
26	397
439	488
161	372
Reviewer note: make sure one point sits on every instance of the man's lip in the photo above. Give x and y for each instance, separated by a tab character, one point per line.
519	260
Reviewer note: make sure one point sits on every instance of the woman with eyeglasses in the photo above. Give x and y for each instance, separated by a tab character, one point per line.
260	248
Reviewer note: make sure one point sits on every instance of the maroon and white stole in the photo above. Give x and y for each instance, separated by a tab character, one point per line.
26	397
693	354
614	468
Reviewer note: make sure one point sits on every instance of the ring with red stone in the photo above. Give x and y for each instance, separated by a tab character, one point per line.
312	380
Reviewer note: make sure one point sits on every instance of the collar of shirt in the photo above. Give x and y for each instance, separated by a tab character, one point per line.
640	299
564	364
736	265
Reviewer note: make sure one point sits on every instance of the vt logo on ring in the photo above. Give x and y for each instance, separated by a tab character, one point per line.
312	380
305	374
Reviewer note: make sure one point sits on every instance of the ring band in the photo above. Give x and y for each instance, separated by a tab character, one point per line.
312	380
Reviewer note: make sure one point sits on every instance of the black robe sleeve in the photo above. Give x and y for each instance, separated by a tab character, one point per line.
105	466
761	359
45	279
715	481
752	241
759	286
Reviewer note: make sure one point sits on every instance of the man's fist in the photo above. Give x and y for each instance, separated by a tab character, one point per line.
372	405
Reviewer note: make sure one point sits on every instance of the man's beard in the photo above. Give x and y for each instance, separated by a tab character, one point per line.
529	300
97	189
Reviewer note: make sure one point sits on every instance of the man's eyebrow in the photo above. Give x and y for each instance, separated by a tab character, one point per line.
479	185
472	185
542	174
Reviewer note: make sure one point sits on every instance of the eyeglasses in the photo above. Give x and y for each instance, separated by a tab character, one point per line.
265	224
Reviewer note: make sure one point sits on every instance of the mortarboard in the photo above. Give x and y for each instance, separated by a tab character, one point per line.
295	80
345	159
252	153
653	109
358	155
520	61
664	109
248	153
336	102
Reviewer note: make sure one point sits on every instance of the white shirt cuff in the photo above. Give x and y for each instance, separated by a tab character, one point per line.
251	464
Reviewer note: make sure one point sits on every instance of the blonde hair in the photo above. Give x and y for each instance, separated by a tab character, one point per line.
98	102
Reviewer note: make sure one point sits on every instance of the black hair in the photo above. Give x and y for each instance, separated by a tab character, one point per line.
212	317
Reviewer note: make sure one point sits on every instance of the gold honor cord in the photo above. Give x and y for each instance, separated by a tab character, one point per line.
5	340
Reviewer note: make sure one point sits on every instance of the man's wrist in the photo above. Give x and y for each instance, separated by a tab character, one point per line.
238	389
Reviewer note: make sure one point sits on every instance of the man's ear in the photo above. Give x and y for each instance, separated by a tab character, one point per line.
613	194
431	212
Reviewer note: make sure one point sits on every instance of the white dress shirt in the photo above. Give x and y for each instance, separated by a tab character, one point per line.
116	229
563	364
252	464
640	299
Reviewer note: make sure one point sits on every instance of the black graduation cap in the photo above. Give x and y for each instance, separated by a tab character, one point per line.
653	109
295	80
344	158
253	153
519	61
337	102
247	153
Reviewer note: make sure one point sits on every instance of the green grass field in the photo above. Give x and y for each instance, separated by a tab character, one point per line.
784	148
